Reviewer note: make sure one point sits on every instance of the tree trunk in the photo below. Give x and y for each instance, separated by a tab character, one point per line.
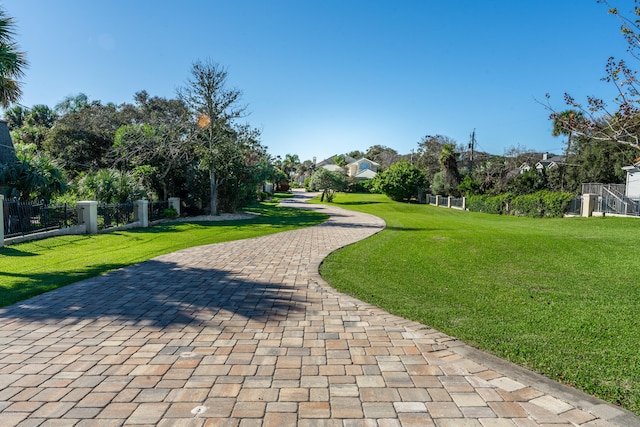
213	192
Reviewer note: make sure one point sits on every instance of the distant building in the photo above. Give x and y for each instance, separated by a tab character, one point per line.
549	162
7	152
360	169
632	189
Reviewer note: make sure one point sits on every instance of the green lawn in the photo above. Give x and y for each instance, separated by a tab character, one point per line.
29	269
559	296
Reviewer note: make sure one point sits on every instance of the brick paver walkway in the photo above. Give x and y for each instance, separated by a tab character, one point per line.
246	333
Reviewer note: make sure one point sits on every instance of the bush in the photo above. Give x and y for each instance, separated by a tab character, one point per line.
263	195
327	181
170	213
542	204
401	181
490	204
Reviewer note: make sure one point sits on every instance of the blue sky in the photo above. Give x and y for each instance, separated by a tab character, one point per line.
322	77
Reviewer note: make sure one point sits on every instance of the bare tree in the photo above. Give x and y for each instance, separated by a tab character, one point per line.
214	107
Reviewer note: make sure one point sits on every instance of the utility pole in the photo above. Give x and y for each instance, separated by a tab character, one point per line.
472	144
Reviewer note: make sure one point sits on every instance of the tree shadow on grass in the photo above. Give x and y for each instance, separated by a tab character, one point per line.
160	293
9	251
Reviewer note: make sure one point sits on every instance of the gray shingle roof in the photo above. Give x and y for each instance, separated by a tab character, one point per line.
7	152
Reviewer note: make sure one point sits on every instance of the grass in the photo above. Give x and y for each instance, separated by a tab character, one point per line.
29	269
558	296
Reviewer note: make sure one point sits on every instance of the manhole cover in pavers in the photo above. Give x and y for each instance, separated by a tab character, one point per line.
198	410
188	354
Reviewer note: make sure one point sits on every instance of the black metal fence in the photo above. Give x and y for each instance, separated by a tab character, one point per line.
575	207
156	210
113	215
22	218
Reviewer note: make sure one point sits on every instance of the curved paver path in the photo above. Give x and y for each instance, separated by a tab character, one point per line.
246	333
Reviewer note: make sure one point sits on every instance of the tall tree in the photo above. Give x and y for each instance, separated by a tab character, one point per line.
382	155
214	108
449	167
72	104
82	139
12	62
155	144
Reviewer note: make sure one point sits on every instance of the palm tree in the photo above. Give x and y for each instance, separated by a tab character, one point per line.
12	62
564	123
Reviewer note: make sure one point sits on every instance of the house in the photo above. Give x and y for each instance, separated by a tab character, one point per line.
332	160
549	162
632	189
7	152
362	169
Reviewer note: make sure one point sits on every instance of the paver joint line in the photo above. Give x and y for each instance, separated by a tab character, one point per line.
248	333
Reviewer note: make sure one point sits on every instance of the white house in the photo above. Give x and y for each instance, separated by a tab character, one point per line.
632	189
362	169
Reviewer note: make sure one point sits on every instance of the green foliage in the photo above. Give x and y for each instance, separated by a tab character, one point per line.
401	182
470	186
448	161
328	182
547	294
490	204
12	62
541	204
32	177
110	186
170	213
528	182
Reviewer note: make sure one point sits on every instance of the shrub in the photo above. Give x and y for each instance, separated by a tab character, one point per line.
401	181
490	204
538	205
327	181
170	213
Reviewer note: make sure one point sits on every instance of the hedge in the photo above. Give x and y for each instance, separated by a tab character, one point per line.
538	205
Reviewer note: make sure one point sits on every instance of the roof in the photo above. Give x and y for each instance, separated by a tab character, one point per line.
363	159
333	168
550	161
331	161
366	174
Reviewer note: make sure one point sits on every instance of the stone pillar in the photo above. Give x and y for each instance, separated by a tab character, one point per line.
174	202
588	204
1	220
141	212
449	199
437	200
464	203
88	215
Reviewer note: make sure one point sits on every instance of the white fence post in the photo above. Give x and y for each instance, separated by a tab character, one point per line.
88	215
588	204
1	220
174	202
449	199
464	203
141	212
